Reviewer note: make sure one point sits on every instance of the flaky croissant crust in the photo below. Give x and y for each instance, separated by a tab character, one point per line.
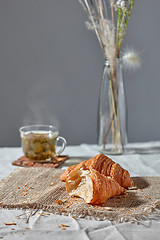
105	166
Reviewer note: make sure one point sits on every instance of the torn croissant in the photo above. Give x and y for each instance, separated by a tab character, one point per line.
106	166
93	187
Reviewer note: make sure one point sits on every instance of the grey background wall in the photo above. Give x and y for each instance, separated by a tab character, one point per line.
50	70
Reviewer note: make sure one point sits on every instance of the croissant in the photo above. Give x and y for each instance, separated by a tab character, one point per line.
93	187
106	166
65	174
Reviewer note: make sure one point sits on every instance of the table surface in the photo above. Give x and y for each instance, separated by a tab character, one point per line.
46	226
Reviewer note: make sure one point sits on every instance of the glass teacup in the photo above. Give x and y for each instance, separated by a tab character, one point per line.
39	142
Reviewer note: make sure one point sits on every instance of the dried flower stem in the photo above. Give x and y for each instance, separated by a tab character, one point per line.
112	11
123	15
102	26
87	8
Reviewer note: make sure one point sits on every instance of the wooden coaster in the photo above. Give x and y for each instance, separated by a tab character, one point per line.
55	162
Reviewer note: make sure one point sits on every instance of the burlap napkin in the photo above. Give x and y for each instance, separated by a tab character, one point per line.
41	188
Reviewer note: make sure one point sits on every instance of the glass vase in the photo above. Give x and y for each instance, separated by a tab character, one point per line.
112	134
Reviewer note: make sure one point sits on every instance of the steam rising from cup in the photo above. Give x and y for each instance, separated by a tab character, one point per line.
39	106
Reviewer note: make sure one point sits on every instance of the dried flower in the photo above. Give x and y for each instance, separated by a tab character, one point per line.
109	36
121	4
124	5
131	59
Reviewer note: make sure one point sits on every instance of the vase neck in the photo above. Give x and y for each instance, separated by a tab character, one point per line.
107	63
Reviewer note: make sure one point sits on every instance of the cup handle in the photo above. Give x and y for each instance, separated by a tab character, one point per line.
64	143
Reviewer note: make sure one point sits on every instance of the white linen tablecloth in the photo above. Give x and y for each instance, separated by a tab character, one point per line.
47	226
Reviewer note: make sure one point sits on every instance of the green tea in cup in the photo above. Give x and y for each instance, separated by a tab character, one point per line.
39	142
